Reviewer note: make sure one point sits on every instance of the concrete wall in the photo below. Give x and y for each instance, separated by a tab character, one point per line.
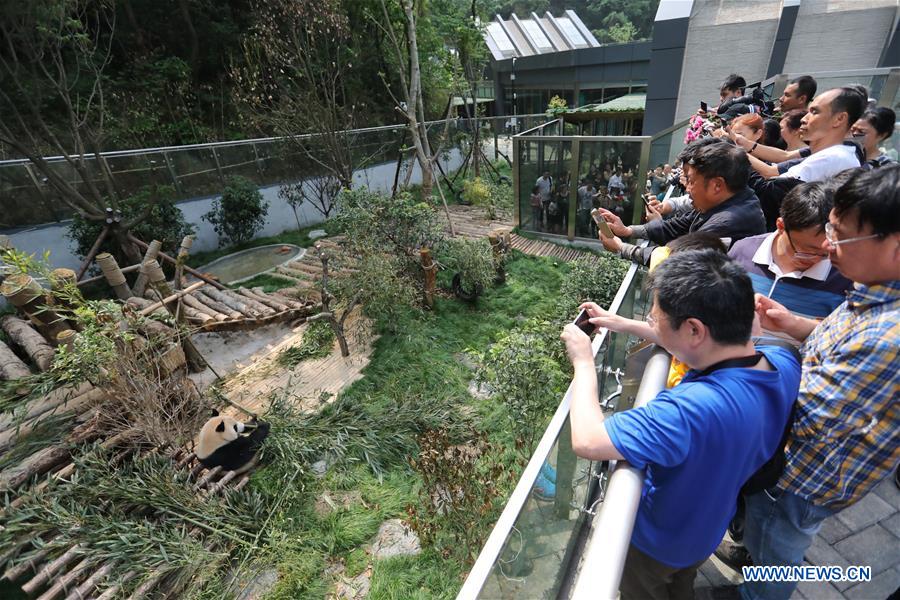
836	35
280	217
724	37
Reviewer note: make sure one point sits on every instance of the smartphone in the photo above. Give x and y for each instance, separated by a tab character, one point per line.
646	200
604	228
582	322
703	106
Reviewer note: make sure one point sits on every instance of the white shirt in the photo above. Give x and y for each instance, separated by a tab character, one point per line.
763	256
616	182
824	164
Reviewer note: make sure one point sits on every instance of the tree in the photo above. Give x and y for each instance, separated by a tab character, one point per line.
404	44
240	213
52	102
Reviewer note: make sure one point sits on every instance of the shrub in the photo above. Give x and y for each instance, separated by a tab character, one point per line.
240	213
595	279
527	371
473	260
494	197
165	223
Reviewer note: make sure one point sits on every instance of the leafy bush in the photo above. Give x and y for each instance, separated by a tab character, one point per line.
399	225
472	259
557	106
595	279
527	371
494	197
240	213
165	223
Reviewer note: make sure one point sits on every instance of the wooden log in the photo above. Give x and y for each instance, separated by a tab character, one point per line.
88	585
292	302
287	274
270	302
181	259
76	409
191	301
157	279
220	308
140	284
29	340
49	570
11	367
63	583
310	269
92	253
15	572
113	590
430	269
114	276
23	292
66	339
252	303
229	301
65	290
40	462
171	260
42	405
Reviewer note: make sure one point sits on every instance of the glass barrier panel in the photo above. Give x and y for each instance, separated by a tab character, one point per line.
544	179
240	160
136	172
540	550
610	178
196	172
23	204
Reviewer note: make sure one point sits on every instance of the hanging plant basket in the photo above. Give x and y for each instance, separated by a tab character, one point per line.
464	294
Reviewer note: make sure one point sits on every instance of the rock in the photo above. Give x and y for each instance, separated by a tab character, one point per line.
480	391
260	585
319	467
352	588
395	539
316	234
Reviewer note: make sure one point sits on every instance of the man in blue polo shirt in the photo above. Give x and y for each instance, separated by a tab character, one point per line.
699	441
789	265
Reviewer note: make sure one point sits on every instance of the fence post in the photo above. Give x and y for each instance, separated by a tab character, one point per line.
172	174
218	165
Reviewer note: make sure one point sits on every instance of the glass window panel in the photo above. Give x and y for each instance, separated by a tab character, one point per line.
22	204
612	169
500	38
536	35
196	171
240	160
571	32
132	173
548	210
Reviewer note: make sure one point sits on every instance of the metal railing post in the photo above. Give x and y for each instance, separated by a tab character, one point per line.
607	548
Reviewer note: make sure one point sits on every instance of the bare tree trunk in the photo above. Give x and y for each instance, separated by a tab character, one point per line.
28	340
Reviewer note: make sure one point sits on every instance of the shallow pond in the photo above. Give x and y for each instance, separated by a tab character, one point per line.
249	263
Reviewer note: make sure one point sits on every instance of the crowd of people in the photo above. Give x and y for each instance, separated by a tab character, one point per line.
775	282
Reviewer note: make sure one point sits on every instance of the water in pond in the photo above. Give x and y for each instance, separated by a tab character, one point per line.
247	263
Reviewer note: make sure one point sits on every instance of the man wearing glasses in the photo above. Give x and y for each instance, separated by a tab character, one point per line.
846	432
790	265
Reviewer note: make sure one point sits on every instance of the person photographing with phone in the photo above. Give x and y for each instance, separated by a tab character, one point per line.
717	174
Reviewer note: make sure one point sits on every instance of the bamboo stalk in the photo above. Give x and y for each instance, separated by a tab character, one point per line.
63	583
44	574
88	585
181	258
113	590
206	477
89	258
171	297
220	308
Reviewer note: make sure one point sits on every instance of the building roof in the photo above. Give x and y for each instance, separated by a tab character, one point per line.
631	103
515	37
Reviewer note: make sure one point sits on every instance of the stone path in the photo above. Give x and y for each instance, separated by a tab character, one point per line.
867	533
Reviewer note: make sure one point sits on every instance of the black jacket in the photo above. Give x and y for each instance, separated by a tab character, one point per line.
738	217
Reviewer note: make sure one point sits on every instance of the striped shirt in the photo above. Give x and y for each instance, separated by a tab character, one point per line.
846	434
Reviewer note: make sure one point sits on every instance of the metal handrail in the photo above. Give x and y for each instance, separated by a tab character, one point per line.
604	559
490	552
232	143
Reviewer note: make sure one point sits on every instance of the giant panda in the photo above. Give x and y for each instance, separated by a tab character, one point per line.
222	445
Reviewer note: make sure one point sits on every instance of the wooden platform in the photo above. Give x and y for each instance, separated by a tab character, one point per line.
253	386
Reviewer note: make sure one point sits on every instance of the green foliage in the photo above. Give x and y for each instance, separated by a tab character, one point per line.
165	223
317	342
472	259
398	225
494	197
594	279
240	212
475	191
557	105
526	369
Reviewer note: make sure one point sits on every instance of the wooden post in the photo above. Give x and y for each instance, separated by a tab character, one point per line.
183	252
114	277
11	367
66	339
430	269
499	240
157	280
66	294
92	253
141	282
23	292
187	269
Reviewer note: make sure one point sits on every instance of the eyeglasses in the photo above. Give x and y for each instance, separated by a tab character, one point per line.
829	237
803	255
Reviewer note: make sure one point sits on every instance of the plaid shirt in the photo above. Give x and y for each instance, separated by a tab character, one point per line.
846	434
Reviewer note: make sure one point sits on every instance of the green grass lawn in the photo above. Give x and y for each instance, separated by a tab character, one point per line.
418	360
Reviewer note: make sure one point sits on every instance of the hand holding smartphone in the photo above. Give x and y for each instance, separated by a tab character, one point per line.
703	106
602	225
582	322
